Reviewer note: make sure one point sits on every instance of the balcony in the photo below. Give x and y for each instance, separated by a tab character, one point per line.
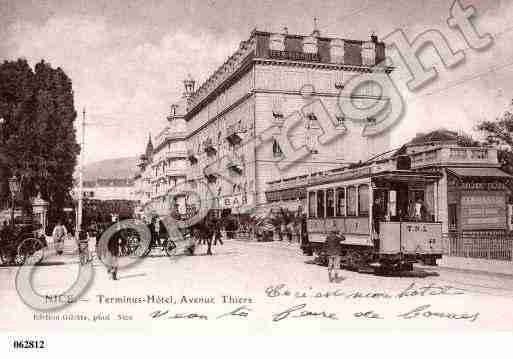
475	156
208	147
294	55
235	134
175	172
235	165
176	154
211	177
191	156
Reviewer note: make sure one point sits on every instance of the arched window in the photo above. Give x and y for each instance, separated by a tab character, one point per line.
363	200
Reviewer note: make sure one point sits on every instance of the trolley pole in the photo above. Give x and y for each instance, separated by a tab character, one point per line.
81	177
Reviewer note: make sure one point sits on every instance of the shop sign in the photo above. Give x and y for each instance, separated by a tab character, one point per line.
235	201
486	186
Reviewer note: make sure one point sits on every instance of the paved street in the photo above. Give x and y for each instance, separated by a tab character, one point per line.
268	279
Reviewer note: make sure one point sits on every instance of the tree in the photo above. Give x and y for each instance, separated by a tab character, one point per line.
499	133
39	138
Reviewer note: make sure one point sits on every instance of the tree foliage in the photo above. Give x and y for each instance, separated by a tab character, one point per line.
499	133
38	140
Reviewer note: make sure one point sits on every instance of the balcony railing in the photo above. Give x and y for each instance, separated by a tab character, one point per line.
235	165
455	155
176	172
294	55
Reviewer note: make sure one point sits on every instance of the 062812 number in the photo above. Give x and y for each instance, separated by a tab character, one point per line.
29	344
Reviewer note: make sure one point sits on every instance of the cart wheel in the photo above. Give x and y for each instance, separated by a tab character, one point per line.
170	247
19	258
27	248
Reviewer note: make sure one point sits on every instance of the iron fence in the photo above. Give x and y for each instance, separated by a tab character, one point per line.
483	245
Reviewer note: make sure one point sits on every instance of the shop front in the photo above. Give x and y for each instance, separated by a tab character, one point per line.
477	200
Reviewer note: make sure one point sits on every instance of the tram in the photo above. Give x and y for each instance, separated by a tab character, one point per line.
385	214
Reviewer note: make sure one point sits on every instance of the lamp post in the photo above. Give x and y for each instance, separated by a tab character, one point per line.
14	187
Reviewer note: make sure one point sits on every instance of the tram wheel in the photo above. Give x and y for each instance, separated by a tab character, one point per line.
354	260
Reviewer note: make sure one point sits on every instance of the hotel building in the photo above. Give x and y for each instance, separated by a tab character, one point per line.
270	80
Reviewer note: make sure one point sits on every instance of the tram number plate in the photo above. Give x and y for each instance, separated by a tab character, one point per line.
416	228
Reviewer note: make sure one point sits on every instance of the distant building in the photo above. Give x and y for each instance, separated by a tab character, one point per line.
109	189
163	167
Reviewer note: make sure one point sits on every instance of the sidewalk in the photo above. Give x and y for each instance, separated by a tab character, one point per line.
476	264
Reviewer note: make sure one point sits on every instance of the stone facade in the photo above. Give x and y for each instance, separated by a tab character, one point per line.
262	85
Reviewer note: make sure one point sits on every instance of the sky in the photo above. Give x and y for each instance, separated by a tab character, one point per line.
127	59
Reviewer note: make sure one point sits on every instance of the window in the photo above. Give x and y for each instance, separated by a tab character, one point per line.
453	216
363	200
277	152
311	204
341	201
330	203
351	201
320	204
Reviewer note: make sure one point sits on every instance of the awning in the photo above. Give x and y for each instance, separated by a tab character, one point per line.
479	172
407	176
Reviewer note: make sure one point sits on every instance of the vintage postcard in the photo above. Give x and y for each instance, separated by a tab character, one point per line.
254	168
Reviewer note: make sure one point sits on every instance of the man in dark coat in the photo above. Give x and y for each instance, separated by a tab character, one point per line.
333	250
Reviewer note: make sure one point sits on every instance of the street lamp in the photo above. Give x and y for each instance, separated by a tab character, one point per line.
14	187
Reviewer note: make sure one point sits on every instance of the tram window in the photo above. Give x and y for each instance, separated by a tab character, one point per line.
330	203
320	204
351	201
363	200
392	203
341	201
312	204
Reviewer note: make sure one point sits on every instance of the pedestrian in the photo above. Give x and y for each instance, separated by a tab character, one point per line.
83	245
59	234
289	232
333	250
282	230
217	235
5	233
113	250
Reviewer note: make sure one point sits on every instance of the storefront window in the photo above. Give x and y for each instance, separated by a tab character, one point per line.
351	201
363	200
330	203
341	202
311	204
320	204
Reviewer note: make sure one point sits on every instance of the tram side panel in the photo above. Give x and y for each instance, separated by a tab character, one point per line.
419	239
354	229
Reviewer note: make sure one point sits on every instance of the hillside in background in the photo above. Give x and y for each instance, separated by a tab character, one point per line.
124	167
